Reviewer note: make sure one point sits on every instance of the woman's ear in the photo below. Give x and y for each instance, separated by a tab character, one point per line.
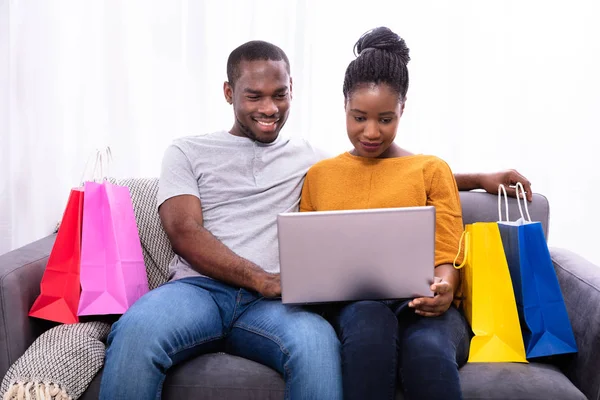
402	107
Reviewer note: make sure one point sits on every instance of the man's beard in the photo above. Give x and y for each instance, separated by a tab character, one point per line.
248	132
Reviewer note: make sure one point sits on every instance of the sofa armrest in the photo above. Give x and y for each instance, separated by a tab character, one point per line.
580	284
21	271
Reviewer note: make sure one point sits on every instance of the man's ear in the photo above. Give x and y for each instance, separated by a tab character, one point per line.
228	92
291	94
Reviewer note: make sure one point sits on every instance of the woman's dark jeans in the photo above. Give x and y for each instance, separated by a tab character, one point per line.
381	340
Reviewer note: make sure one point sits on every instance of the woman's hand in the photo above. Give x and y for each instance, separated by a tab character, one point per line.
437	305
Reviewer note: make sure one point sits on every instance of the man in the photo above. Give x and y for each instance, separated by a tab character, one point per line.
218	199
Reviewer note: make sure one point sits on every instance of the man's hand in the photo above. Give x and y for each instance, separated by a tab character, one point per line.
437	305
490	182
269	285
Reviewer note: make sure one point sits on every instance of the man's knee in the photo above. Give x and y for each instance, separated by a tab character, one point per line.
132	326
314	355
161	315
307	341
311	332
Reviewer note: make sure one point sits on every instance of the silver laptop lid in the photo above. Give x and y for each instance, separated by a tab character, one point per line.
357	254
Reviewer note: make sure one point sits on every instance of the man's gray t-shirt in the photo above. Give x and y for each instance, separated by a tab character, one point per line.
242	186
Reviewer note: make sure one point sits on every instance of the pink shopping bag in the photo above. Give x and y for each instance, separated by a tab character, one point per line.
112	272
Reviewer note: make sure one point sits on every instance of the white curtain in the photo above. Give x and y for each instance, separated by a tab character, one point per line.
494	85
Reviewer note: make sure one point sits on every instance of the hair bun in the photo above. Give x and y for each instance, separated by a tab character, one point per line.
385	39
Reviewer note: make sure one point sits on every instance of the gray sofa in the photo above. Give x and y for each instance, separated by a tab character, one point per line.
222	376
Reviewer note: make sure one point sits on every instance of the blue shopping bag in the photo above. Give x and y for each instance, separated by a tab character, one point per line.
544	320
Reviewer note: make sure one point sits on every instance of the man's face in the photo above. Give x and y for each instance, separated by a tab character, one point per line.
261	99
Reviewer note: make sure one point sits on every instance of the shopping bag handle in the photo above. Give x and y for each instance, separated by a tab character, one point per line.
502	190
103	157
84	174
467	236
519	198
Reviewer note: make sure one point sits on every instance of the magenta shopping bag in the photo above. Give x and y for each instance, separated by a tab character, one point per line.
112	273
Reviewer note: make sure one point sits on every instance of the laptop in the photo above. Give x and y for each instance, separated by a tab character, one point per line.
374	254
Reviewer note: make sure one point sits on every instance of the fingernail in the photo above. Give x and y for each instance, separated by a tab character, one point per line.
411	304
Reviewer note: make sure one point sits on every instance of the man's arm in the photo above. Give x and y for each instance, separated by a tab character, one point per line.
490	182
181	217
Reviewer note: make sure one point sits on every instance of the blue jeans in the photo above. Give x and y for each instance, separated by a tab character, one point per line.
193	316
381	340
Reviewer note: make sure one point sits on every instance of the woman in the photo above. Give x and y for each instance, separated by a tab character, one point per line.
425	339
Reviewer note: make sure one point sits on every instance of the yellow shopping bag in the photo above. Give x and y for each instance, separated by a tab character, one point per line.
489	302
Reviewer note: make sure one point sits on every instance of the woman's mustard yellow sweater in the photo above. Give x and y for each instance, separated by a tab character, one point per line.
349	182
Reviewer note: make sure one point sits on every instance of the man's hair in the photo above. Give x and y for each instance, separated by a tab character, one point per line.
382	56
252	51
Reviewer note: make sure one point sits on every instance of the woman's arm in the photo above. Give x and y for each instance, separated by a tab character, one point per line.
443	194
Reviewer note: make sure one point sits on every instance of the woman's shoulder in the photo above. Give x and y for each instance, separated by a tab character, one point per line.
430	161
327	164
423	160
432	165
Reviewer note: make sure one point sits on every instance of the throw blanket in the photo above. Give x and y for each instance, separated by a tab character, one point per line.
59	365
62	362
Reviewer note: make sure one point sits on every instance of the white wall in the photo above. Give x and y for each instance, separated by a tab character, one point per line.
494	85
5	225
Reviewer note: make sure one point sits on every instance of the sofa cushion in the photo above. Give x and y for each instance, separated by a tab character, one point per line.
223	376
516	381
214	376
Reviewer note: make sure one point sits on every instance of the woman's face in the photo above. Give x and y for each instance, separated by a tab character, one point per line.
373	112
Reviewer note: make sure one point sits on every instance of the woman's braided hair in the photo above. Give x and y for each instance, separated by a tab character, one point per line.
382	56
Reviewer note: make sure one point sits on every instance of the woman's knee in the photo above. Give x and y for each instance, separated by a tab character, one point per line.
428	344
367	321
440	335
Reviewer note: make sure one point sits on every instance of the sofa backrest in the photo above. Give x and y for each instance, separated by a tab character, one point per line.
478	206
158	253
